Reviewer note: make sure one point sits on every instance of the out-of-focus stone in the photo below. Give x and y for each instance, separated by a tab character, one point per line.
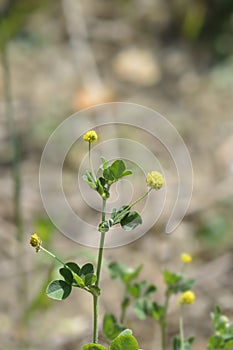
137	66
86	98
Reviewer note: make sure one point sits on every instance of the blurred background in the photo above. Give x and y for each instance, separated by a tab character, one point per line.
58	57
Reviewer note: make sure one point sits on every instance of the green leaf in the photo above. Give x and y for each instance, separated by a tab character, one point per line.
131	221
78	281
66	274
187	344
125	273
58	290
126	331
150	290
126	173
117	216
74	267
89	279
142	307
115	171
76	273
110	327
223	338
137	289
89	179
229	345
87	268
158	312
141	289
107	174
176	282
94	347
124	342
105	163
103	187
117	168
171	278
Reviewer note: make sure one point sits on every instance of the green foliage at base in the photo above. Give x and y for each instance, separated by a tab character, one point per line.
223	332
111	329
177	344
124	341
73	276
94	347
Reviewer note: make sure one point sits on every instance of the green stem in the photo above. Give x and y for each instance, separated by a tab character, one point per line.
90	161
181	328
98	272
131	205
14	143
124	306
163	325
140	198
52	255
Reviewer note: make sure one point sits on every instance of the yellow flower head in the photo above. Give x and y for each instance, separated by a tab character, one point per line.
35	241
90	136
186	258
187	298
155	180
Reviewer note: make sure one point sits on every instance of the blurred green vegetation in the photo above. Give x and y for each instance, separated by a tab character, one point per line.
214	231
207	22
14	14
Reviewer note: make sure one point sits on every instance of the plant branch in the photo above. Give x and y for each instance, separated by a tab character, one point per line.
163	325
98	272
181	328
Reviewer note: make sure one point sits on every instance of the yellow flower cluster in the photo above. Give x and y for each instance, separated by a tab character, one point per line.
155	180
187	298
35	241
186	258
90	136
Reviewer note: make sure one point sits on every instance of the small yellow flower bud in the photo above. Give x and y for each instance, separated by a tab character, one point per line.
155	180
90	136
35	241
186	258
187	298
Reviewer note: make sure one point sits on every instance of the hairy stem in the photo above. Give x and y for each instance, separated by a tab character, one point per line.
90	161
181	328
131	205
52	255
140	198
163	325
99	265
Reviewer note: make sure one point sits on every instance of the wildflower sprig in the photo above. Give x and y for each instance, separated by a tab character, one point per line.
111	172
85	277
73	275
